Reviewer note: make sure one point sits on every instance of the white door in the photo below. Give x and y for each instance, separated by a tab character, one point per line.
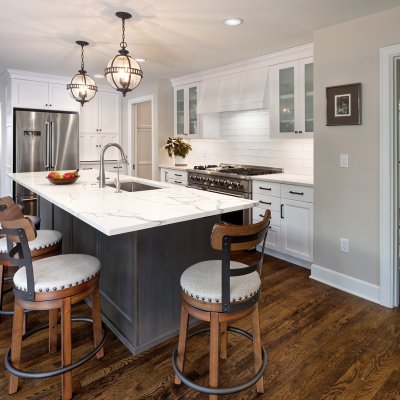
143	139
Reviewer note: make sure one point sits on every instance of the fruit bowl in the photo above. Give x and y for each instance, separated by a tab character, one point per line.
62	181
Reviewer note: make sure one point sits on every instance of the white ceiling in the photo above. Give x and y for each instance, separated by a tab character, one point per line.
177	37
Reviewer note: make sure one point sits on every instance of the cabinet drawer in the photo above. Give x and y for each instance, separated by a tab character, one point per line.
267	188
176	174
177	181
295	192
258	214
267	202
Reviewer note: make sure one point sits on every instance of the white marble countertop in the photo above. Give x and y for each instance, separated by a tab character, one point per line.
182	168
302	180
115	213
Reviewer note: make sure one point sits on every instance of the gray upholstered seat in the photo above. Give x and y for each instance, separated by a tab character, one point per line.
59	272
44	239
202	281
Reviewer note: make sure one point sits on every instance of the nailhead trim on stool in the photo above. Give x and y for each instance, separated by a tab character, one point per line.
58	272
45	238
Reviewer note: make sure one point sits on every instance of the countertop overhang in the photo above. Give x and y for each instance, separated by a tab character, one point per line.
115	213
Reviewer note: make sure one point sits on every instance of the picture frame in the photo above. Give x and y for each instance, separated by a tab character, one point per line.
343	105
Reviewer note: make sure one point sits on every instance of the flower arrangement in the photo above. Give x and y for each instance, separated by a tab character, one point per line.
177	147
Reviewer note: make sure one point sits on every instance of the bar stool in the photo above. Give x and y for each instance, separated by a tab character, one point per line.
8	201
222	292
47	243
50	284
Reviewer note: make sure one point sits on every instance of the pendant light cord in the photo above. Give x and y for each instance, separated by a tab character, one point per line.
123	43
82	59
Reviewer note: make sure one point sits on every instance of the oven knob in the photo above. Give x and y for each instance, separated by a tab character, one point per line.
212	180
197	178
203	179
226	182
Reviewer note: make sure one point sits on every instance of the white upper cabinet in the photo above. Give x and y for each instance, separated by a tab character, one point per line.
245	90
185	110
101	114
42	95
292	96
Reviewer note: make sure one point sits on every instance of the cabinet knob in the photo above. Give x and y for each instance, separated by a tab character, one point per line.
49	105
296	131
46	105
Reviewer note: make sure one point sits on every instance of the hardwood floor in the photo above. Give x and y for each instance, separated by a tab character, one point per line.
321	344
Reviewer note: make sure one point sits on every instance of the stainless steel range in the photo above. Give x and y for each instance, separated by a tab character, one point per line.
233	180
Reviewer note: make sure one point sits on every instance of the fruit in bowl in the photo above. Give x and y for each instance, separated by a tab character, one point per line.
57	178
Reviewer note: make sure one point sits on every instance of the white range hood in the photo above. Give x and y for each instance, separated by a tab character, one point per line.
240	91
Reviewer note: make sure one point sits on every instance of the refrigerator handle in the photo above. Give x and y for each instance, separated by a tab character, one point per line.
48	165
51	144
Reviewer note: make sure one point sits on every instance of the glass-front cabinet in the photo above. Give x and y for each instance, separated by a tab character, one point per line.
292	98
185	113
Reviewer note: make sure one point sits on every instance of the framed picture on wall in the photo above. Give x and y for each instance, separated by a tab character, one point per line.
343	105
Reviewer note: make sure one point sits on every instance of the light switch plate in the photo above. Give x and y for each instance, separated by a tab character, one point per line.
344	160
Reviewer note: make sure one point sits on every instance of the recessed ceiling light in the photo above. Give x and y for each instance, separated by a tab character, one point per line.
140	60
233	21
98	76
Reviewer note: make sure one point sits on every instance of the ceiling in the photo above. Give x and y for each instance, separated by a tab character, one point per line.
176	37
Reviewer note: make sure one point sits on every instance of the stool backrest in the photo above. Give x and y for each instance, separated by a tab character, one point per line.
231	238
18	233
6	201
10	213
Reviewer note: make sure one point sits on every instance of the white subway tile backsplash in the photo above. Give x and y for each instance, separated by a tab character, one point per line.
244	139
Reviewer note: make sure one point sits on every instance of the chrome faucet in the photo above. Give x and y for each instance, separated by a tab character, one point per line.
102	177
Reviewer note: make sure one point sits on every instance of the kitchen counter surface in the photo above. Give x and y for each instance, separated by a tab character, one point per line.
115	213
181	168
302	180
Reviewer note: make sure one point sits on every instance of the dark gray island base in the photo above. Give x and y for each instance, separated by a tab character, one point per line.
139	284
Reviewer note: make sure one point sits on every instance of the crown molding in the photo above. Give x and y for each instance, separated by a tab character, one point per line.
267	60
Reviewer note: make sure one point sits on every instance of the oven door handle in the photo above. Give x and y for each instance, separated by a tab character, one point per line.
227	194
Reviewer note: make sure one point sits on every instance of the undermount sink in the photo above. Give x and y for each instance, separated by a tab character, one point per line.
133	186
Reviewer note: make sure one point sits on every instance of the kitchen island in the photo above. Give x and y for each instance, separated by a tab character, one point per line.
144	239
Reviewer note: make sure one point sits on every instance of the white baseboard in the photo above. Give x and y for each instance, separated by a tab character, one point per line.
293	260
346	283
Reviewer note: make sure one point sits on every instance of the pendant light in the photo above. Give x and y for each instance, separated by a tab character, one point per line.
82	87
123	72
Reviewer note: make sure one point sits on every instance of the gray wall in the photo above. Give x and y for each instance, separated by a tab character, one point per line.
163	94
347	200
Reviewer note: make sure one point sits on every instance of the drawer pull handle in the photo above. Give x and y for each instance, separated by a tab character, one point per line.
178	182
87	168
260	215
264	188
265	202
299	193
117	167
282	211
178	174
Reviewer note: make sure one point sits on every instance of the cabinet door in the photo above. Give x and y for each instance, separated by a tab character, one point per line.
286	98
180	111
297	229
111	153
306	90
89	147
192	127
60	99
89	116
30	94
109	113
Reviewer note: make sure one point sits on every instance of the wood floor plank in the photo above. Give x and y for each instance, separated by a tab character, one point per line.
322	344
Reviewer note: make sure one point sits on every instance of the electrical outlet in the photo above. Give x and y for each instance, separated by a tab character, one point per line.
344	245
344	161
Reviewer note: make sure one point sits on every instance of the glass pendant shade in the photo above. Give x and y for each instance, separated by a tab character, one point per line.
123	72
82	87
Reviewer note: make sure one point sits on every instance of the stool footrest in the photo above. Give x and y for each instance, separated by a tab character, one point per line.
47	374
226	390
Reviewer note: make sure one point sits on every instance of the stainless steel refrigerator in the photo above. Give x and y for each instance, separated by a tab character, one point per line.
43	141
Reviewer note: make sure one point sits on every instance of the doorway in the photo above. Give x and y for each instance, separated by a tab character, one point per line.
141	141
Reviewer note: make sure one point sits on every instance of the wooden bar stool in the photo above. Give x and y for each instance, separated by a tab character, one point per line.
50	284
47	243
222	292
